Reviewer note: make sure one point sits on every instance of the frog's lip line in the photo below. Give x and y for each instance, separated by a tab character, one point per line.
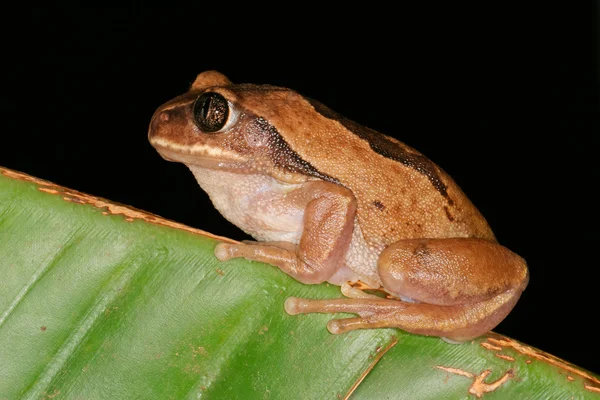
195	150
204	159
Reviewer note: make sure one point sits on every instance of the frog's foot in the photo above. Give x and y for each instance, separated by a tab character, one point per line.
370	309
456	322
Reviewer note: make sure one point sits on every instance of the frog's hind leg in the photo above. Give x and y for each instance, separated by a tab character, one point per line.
462	288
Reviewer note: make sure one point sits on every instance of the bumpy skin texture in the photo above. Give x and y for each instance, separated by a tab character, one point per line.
331	200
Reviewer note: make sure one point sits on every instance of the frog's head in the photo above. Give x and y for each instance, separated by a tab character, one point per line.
217	124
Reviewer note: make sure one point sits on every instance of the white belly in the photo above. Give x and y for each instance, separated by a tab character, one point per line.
257	204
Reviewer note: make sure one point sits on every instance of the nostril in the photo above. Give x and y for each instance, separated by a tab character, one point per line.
164	116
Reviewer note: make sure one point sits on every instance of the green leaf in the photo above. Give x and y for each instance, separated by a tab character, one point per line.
99	300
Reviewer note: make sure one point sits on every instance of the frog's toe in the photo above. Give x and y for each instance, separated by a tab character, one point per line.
223	251
293	305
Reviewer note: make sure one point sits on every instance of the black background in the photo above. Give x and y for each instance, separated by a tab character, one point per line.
503	97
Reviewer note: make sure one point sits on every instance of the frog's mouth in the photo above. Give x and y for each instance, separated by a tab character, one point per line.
211	158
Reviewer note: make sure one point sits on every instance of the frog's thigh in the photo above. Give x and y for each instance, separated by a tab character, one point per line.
451	271
465	287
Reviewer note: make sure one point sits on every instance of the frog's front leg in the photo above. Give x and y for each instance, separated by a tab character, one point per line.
328	220
462	288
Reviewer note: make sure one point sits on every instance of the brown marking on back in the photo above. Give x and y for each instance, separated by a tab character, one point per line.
378	204
450	217
388	148
421	250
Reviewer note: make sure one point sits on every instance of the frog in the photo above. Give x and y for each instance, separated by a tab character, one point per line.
329	200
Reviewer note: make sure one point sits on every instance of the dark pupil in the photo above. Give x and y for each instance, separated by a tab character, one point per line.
210	112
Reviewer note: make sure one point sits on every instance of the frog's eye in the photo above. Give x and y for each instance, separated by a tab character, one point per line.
212	112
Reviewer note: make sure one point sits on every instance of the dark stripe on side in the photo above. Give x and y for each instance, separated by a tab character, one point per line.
284	157
381	144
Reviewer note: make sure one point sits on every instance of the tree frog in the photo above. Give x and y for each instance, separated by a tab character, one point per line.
330	200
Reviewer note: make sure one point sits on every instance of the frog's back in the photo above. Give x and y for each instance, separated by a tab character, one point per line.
401	193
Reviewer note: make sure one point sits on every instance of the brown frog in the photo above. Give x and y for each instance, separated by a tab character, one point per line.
330	200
